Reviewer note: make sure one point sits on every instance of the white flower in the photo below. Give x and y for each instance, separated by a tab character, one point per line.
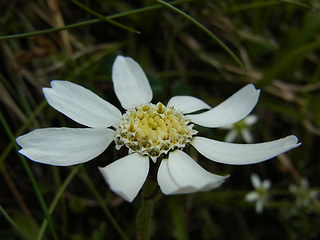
260	194
148	131
304	195
241	128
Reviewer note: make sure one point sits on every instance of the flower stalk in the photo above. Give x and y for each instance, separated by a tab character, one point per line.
149	196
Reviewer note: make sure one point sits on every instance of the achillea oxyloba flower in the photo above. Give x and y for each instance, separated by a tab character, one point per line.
148	130
260	195
241	128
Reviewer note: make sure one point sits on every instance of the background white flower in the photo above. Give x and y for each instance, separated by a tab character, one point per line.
241	128
178	172
260	195
304	195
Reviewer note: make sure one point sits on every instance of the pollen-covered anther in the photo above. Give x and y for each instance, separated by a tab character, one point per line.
153	130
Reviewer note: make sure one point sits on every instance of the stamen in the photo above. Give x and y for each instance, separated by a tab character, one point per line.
153	130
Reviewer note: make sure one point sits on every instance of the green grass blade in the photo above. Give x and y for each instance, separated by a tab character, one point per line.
285	61
30	176
251	5
260	4
22	129
8	218
57	198
295	2
103	18
102	204
89	22
204	29
178	220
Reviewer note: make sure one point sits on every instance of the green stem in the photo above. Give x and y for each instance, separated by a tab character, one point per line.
150	195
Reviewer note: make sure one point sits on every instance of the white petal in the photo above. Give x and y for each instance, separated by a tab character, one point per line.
226	127
266	184
127	175
256	182
231	136
304	183
65	146
130	83
232	110
259	206
252	196
81	105
165	180
238	154
189	175
187	104
246	135
250	119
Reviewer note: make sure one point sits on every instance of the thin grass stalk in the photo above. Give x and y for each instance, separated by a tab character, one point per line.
25	125
89	22
31	177
57	198
12	223
102	204
103	18
205	30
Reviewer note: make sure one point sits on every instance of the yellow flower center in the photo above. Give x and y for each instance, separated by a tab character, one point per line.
153	130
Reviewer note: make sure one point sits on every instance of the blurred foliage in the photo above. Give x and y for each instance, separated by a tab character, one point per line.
278	45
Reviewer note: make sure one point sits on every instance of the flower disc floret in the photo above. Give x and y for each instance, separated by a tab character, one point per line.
153	129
